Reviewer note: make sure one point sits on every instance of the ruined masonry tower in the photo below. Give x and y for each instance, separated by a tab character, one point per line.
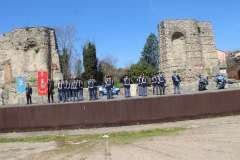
24	52
188	47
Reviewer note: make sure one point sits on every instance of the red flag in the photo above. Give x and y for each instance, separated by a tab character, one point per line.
42	83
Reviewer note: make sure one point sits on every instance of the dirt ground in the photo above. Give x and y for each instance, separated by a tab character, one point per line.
204	139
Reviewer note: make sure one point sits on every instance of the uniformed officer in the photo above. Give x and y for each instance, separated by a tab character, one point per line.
50	91
139	82
127	86
202	83
29	94
66	90
144	85
176	82
161	83
91	89
73	90
154	85
95	89
221	81
70	89
60	91
79	89
109	85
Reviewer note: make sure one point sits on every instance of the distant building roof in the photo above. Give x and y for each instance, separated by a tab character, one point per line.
221	57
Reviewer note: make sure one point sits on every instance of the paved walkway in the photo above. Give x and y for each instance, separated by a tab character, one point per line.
209	139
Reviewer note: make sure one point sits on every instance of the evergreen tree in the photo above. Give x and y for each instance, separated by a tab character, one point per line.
100	74
137	69
150	53
89	60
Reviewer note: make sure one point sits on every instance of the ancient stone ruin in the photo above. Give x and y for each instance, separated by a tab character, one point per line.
24	52
233	62
188	47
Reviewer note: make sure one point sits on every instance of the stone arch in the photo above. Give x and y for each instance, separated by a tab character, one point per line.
238	74
177	35
1	75
179	53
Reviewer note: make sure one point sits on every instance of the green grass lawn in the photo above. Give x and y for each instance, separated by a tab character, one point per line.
118	137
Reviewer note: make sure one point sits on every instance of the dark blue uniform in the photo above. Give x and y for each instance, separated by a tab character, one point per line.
60	91
91	89
144	86
202	83
79	90
221	81
176	83
50	91
154	85
139	82
95	89
127	86
161	84
109	86
73	90
67	91
29	94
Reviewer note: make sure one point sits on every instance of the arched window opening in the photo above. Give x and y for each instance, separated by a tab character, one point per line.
177	35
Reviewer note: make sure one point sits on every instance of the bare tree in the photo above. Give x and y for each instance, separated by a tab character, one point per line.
67	38
108	66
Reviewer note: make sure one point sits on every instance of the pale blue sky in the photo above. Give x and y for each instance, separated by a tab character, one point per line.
120	27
